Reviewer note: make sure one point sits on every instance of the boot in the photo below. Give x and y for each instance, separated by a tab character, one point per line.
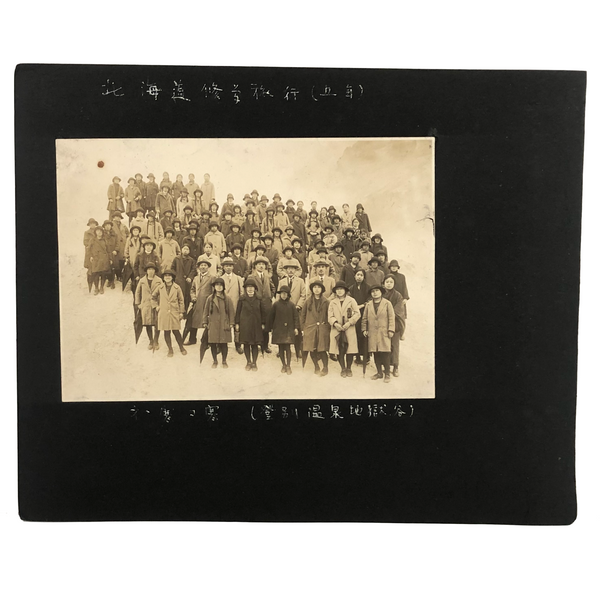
377	376
324	371
183	350
225	365
387	378
215	364
170	352
395	372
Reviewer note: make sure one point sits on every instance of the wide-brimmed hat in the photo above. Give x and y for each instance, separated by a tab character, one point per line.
137	210
218	280
169	272
117	178
263	197
321	263
150	213
312	211
260	247
357	254
338	245
229	196
288	248
318	282
290	201
186	245
117	215
169	229
213	203
239	246
149	241
270	209
290	263
332	207
377	286
254	192
164	184
288	227
131	179
360	206
135	227
382	251
168	210
373	259
205	212
267	236
250	212
236	225
184	191
328	226
194	223
198	191
376	235
98	227
150	265
277	229
91	222
139	175
227	212
246	196
150	175
107	222
261	259
336	218
319	243
365	243
214	224
394	263
279	206
284	288
347	229
340	283
255	229
276	196
205	261
250	282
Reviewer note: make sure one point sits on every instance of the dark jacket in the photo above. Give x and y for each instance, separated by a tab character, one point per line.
364	223
100	258
282	320
250	316
219	317
142	259
185	268
149	202
196	246
240	265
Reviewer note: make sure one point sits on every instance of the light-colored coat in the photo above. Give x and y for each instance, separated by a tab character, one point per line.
201	289
217	239
143	298
115	197
215	261
234	287
297	289
154	230
377	324
345	313
170	307
315	326
168	250
133	197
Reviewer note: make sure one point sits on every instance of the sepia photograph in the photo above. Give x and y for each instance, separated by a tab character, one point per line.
288	268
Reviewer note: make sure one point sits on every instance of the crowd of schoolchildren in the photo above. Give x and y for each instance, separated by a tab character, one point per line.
272	271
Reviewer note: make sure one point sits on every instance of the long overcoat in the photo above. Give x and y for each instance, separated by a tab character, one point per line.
170	306
185	268
100	260
234	288
282	320
219	317
377	324
88	238
142	259
133	197
343	312
168	251
132	248
149	202
250	316
115	197
201	289
315	325
264	289
122	233
164	202
143	298
395	298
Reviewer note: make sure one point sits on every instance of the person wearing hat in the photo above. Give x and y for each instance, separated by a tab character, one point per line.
268	222
115	197
290	209
149	201
286	259
133	197
261	209
111	245
322	256
121	232
284	323
254	196
349	270
277	199
300	210
300	254
208	192
315	328
299	228
251	223
259	251
377	244
240	264
219	318
166	182
272	254
199	292
278	240
374	275
397	303
234	287
176	191
250	320
378	327
139	220
313	257
168	250
216	238
252	241
331	211
139	182
146	287
327	282
360	292
400	280
286	238
347	216
226	223
211	256
365	254
178	232
343	315
184	267
265	290
313	230
235	237
336	221
153	228
193	240
297	291
133	246
338	261
228	206
213	209
195	203
349	242
280	219
329	238
164	200
323	218
181	201
381	256
167	219
88	238
168	302
363	219
100	259
146	255
204	225
191	186
238	217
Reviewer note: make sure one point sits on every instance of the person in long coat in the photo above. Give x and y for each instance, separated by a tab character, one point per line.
343	315
265	290
211	256
378	325
377	244
216	238
185	271
88	238
133	198
111	246
250	320
363	218
149	202
219	317
167	299
164	200
121	233
234	287
397	302
374	275
315	327
208	192
146	287
326	281
133	245
199	292
168	250
191	186
350	269
115	197
100	260
240	265
146	255
400	286
153	228
293	280
349	243
284	323
360	292
193	240
338	260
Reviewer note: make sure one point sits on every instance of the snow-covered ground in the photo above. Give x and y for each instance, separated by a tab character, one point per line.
100	360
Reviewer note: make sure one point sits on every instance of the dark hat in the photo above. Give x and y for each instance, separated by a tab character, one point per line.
313	212
263	197
91	222
169	272
288	248
117	178
254	192
290	201
338	245
336	218
365	243
107	222
176	220
151	175
376	235
319	242
169	229
340	284
227	261
151	213
289	227
117	215
239	246
186	245
150	265
136	227
194	223
149	241
250	282
279	206
131	179
100	228
227	212
289	263
321	263
246	196
328	226
213	203
198	191
372	260
347	229
214	224
205	212
144	237
259	247
394	263
270	209
318	282
296	214
229	196
167	211
184	191
267	236
382	251
249	212
360	270
139	175
261	259
165	185
205	261
332	207
276	196
236	225
322	249
137	210
218	280
360	206
250	202
296	239
389	276
376	287
284	288
255	229
277	228
357	254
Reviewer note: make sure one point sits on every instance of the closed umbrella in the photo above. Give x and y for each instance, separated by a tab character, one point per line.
137	324
203	344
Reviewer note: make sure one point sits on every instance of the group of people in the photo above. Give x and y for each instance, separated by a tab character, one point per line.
317	280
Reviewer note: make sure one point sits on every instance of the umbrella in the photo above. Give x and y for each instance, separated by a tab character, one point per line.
304	357
188	321
342	341
137	324
365	354
203	344
126	275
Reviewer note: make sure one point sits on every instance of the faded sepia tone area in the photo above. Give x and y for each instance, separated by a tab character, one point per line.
392	178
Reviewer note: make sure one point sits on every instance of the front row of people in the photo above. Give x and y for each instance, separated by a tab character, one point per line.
338	325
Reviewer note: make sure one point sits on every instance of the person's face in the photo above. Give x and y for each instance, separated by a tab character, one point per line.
168	278
259	252
277	234
268	242
350	234
237	210
297	246
250	291
300	204
376	294
150	272
208	249
108	228
138	178
116	222
394	269
359	277
235	230
150	217
355	223
151	179
254	197
338	250
135	233
165	190
165	175
317	290
346	208
288	253
147	248
389	284
290	271
359	210
177	226
355	260
228	269
193	232
180	178
206	178
218	287
237	252
260	266
191	177
169	235
185	251
203	268
256	235
297	217
321	271
99	233
340	292
228	217
213	229
283	295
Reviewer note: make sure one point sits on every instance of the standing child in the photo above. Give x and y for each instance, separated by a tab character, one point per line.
338	261
363	219
167	221
99	260
280	219
111	246
219	318
147	286
343	314
208	191
146	256
133	198
250	320
315	327
168	250
284	323
329	239
88	238
151	193
377	244
115	197
347	216
167	299
268	223
360	292
400	285
199	293
240	264
184	267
